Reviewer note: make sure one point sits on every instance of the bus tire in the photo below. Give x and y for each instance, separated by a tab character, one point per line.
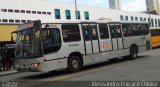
74	63
133	52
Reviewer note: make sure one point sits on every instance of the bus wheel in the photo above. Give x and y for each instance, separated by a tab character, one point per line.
74	63
133	52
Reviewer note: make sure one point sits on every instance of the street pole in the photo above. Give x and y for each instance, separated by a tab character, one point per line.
149	14
76	10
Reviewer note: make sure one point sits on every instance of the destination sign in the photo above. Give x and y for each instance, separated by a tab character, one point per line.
49	25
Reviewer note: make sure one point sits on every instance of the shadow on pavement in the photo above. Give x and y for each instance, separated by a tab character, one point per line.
63	72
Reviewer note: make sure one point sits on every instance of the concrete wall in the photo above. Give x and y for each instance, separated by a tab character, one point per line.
5	31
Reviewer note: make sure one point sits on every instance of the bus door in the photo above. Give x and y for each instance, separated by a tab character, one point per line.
90	35
116	36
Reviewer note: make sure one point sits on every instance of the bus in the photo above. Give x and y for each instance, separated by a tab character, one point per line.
44	46
155	33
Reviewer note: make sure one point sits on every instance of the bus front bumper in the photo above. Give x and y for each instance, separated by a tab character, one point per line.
28	65
24	68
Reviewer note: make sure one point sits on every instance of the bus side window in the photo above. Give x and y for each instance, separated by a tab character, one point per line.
113	31
145	29
51	40
103	29
87	33
118	31
136	29
154	33
94	32
54	37
71	32
127	30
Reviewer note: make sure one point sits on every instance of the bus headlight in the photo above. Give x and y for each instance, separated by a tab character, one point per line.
17	66
35	64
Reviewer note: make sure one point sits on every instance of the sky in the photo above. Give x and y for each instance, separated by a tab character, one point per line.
129	5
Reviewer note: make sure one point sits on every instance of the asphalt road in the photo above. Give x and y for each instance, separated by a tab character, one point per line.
145	68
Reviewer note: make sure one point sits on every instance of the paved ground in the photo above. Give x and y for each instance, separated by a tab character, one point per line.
144	68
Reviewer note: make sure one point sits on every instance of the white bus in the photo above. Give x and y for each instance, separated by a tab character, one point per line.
54	45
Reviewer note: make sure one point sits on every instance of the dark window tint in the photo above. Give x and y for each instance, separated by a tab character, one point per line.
28	11
22	11
38	12
103	29
44	13
33	12
90	32
152	23
126	17
68	14
71	32
127	30
141	19
154	33
112	31
136	28
57	13
118	31
16	11
4	20
115	31
86	32
51	39
10	10
145	29
136	18
11	20
94	32
17	21
86	14
156	22
23	21
121	17
0	20
49	13
78	16
4	10
159	32
132	18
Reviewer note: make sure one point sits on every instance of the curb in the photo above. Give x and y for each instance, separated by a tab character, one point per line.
3	73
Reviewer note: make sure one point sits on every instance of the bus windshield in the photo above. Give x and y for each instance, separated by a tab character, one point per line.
28	44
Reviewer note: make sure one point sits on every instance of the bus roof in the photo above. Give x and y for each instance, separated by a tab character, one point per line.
87	21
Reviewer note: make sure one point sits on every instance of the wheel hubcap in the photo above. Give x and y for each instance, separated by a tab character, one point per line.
75	64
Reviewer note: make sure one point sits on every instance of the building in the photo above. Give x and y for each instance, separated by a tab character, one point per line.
115	4
14	12
153	5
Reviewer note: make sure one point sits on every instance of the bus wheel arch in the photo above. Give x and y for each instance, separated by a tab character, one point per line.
134	51
75	62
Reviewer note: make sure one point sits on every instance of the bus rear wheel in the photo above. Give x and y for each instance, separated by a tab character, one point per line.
74	63
133	52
